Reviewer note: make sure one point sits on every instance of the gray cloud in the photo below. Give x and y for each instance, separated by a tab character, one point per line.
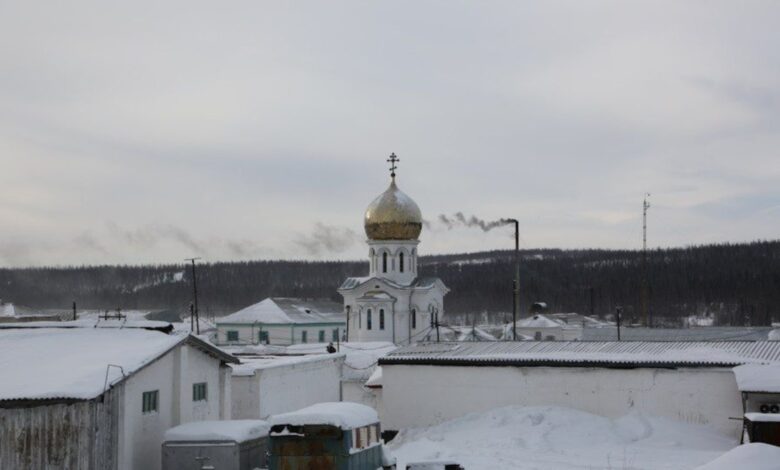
327	239
240	127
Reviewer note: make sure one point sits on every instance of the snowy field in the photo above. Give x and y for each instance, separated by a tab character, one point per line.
555	438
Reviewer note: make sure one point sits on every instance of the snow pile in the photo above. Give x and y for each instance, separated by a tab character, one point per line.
774	335
554	438
343	415
375	381
749	456
758	378
72	363
238	430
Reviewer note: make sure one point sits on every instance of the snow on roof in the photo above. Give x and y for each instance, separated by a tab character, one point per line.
93	323
344	415
588	354
249	366
538	321
418	282
763	417
758	378
375	381
704	333
755	456
283	310
238	430
71	363
361	358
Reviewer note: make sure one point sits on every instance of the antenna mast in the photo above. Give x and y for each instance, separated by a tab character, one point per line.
645	315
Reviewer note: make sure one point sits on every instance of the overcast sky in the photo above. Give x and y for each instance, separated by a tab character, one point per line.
135	132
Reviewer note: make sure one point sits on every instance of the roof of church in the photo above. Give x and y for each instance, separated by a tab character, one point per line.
287	310
418	282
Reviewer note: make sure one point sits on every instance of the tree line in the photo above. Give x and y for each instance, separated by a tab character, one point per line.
738	284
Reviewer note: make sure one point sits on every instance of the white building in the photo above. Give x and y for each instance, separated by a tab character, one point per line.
102	398
426	384
541	327
283	321
269	385
393	303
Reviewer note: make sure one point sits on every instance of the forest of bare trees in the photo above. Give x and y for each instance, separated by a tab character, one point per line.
737	283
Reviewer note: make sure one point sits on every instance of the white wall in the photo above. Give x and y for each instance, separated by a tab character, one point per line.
355	392
425	395
141	435
283	388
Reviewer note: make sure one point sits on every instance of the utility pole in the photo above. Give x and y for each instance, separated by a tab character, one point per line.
618	313
74	311
195	311
645	315
516	280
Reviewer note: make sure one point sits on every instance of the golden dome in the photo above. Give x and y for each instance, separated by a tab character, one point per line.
393	216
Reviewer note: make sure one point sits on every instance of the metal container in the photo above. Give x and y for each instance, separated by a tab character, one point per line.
213	451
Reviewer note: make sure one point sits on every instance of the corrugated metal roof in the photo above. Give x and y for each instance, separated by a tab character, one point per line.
704	333
589	353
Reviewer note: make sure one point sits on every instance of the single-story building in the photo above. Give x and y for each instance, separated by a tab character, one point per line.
284	321
760	388
263	386
102	398
426	384
544	328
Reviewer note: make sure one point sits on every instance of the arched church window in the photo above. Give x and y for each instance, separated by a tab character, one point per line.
381	319
360	320
368	319
401	261
384	262
372	258
414	318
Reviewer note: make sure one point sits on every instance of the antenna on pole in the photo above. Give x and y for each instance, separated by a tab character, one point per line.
645	315
195	310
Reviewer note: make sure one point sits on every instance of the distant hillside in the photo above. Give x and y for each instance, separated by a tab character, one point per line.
739	283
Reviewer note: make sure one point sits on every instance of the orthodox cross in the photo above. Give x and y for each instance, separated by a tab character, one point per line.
392	160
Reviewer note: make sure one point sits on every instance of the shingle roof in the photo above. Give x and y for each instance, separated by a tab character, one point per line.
588	354
286	310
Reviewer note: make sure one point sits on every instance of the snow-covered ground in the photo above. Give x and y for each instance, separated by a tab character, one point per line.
555	438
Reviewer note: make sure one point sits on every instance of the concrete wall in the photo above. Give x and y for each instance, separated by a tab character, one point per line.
141	434
425	395
283	388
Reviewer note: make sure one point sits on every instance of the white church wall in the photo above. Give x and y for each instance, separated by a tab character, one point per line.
286	387
425	395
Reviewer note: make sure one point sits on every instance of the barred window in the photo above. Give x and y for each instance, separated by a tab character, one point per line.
199	392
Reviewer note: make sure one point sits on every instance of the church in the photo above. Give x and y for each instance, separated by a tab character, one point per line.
393	303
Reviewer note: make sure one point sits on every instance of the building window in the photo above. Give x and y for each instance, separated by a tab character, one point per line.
263	337
360	320
384	262
381	319
401	262
304	336
335	336
149	401
199	392
321	336
232	335
414	318
368	319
